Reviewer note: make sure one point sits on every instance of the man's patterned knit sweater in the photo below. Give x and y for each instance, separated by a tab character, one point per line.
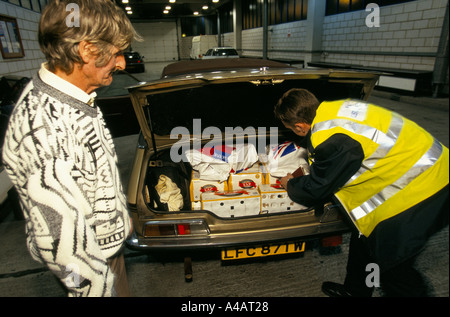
62	160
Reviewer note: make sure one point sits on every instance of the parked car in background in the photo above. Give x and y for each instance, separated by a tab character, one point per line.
194	104
221	52
134	62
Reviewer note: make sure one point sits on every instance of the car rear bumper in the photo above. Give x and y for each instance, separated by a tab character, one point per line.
210	241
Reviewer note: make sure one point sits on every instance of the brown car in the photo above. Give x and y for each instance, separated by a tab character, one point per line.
207	106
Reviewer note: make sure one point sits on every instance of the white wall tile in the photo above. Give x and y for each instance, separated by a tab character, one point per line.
28	23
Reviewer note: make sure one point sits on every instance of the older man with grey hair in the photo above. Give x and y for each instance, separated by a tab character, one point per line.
60	155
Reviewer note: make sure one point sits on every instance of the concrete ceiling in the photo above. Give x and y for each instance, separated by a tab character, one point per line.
153	9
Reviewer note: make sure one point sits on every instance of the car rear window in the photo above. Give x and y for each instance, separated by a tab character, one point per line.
226	52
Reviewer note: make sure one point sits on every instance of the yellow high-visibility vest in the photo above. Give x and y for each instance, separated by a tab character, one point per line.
403	164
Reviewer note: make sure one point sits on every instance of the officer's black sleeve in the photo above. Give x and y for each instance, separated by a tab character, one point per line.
335	161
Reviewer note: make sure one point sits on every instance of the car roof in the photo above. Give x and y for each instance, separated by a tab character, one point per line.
193	66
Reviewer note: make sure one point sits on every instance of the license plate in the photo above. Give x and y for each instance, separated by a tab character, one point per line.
261	251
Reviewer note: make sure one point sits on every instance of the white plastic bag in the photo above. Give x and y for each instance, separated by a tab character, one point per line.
215	163
208	167
284	158
242	157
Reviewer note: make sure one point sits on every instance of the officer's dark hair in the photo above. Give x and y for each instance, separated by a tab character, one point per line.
296	105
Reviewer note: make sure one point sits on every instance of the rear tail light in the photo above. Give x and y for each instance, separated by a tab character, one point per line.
165	228
184	229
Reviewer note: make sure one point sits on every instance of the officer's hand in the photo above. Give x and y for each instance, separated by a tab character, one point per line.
284	180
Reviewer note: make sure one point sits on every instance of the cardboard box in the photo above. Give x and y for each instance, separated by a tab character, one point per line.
199	186
229	204
275	199
251	178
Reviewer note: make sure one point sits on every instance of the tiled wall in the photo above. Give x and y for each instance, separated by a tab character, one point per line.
252	42
284	39
27	21
407	38
161	41
228	39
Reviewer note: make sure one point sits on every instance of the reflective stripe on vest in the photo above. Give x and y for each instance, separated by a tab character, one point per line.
425	162
385	141
354	122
